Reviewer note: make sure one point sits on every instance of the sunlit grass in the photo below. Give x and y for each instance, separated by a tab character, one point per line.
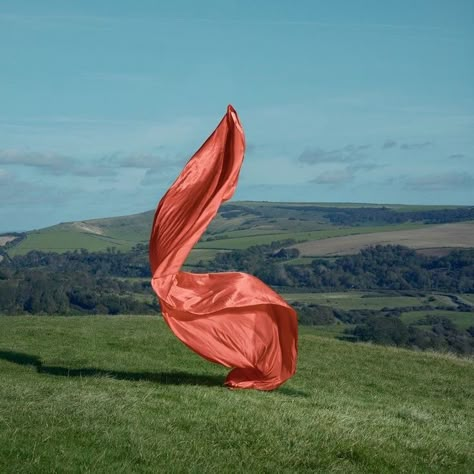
243	242
121	394
347	300
462	319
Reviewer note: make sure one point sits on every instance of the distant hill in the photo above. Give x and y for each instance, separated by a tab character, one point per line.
94	235
241	224
419	301
431	240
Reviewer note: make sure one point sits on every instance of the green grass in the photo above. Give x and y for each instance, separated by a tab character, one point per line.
331	330
121	232
197	255
244	242
469	297
302	260
121	394
59	240
461	319
364	300
245	233
403	207
246	229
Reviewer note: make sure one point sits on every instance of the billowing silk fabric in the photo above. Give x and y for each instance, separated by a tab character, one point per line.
232	318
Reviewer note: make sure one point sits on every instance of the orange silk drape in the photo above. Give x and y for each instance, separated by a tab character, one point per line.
231	318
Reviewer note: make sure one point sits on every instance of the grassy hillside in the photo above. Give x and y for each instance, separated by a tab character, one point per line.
93	235
367	300
121	394
238	225
245	239
430	238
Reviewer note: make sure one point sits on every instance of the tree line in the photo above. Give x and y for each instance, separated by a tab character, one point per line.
387	267
77	282
351	216
385	327
113	282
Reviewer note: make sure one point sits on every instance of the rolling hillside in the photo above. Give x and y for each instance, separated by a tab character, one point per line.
435	239
116	393
242	224
93	235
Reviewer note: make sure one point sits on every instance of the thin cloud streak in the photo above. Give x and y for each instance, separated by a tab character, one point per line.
344	175
415	146
389	144
346	154
439	182
51	162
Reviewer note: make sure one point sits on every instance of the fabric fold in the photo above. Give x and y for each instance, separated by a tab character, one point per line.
229	318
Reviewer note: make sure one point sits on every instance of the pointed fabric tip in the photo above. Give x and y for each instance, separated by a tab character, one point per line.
233	318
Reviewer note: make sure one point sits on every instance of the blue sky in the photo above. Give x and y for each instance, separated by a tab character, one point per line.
101	103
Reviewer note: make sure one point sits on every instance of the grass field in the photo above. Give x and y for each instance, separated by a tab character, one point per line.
365	300
121	395
458	235
243	242
66	237
360	300
396	207
469	297
254	223
462	320
93	235
64	240
197	255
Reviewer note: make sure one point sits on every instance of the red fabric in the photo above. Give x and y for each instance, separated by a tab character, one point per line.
233	319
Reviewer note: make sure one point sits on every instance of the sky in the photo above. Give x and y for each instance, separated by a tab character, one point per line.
101	103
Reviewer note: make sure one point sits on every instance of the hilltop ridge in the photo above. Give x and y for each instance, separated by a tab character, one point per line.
240	224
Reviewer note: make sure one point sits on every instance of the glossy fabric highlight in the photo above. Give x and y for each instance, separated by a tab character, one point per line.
230	318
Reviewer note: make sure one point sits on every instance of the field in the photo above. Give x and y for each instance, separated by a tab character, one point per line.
468	297
121	394
462	320
243	241
458	235
240	225
93	235
365	300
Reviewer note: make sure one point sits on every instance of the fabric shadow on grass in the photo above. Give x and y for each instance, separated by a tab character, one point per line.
164	378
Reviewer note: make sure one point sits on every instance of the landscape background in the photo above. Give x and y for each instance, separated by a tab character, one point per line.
399	275
355	203
93	380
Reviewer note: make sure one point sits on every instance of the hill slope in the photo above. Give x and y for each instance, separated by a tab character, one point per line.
242	224
93	235
430	239
121	394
